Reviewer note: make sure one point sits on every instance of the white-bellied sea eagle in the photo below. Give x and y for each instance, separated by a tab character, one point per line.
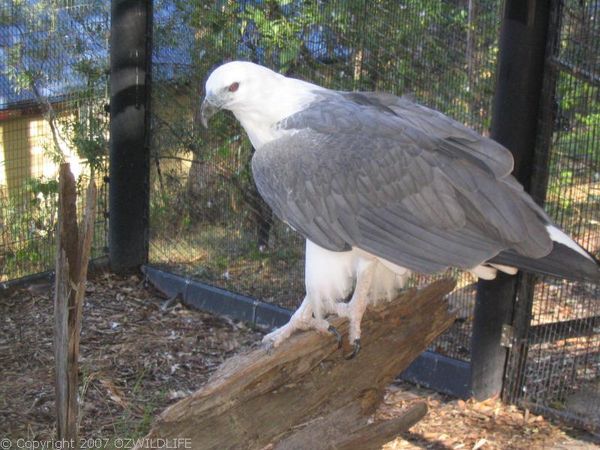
380	187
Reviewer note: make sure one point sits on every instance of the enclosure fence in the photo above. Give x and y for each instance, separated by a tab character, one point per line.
207	221
554	364
209	224
53	92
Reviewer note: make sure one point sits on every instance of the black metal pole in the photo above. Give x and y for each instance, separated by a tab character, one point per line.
130	76
515	125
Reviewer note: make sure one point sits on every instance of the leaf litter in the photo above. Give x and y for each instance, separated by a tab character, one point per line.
135	357
141	352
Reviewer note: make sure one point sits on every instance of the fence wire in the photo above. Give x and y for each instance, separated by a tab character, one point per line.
555	366
53	88
207	220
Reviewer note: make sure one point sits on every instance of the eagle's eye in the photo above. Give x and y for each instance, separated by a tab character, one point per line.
234	86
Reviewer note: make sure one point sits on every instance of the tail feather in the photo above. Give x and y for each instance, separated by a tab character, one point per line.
563	261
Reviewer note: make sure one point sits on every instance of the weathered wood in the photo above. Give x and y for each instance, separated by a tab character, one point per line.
84	248
68	231
342	430
64	299
73	251
61	342
375	435
304	394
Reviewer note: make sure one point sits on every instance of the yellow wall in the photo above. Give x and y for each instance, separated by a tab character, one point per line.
15	152
24	142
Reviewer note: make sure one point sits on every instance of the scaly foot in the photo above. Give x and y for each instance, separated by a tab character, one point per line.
354	313
277	337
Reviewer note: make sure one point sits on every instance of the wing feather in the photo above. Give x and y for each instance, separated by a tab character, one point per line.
420	192
456	139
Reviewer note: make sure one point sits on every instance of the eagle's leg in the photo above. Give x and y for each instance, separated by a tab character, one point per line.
302	319
356	307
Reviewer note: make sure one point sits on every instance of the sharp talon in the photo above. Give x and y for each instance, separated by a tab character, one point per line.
336	333
355	350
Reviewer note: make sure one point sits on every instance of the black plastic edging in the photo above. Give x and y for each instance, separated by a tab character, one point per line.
216	300
47	276
440	373
100	262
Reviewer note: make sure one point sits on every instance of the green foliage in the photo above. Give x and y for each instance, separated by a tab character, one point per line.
559	201
383	45
28	220
27	225
55	56
280	34
58	55
87	132
575	152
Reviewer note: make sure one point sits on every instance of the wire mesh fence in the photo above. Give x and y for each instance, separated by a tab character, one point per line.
555	366
53	88
207	220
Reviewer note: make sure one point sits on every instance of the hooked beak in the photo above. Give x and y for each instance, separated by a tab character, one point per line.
207	110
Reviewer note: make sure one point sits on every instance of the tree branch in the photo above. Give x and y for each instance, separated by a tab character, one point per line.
303	394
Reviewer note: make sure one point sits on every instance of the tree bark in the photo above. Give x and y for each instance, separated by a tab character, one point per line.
73	253
304	394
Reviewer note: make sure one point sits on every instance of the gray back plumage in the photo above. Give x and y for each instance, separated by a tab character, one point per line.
399	180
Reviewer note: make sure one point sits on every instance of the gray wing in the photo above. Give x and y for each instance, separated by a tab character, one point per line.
456	140
357	174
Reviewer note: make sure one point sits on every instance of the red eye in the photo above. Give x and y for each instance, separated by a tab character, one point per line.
234	86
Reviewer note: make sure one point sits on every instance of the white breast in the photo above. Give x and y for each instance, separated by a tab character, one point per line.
330	276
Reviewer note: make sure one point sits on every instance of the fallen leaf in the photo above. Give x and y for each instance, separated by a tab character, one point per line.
114	393
480	443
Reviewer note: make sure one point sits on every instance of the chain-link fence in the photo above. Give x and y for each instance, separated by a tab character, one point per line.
555	364
53	91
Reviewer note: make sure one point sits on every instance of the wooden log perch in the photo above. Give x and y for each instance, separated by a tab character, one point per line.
72	256
304	394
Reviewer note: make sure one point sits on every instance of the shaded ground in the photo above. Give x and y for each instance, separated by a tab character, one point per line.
227	256
140	354
136	358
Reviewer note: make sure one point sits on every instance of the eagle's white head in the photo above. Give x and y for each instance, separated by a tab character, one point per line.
257	96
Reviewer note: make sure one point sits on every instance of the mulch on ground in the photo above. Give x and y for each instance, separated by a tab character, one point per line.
141	352
457	424
138	354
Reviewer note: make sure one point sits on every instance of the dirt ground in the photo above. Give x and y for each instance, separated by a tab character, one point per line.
139	353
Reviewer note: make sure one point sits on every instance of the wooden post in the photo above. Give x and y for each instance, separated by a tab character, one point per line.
304	394
72	256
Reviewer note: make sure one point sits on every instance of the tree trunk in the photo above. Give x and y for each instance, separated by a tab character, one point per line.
304	394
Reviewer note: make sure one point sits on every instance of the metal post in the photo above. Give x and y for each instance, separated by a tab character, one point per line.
515	125
130	75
